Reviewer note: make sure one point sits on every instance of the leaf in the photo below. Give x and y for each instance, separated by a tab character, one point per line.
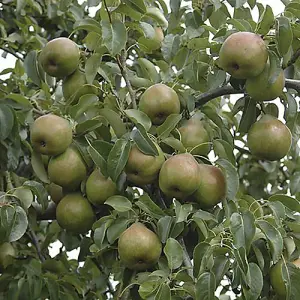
273	237
163	293
98	160
91	67
256	283
25	196
243	229
116	228
182	211
248	117
146	204
88	25
30	66
15	222
170	46
198	255
114	120
224	150
38	167
206	286
174	253
119	203
174	143
170	123
138	117
164	225
266	21
53	288
19	99
295	183
232	178
143	141
275	68
137	5
284	35
287	201
114	36
39	191
117	158
6	121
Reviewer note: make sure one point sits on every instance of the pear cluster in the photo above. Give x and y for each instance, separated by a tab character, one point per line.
244	55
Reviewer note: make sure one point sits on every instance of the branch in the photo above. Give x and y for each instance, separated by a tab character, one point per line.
36	244
293	59
186	258
293	84
16	55
48	214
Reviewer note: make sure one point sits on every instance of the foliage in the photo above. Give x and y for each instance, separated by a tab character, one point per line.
239	241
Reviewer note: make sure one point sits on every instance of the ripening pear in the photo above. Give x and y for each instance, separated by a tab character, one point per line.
141	168
158	102
139	248
179	176
50	134
269	139
60	57
243	55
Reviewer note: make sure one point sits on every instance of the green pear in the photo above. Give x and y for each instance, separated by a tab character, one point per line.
60	57
243	55
99	188
193	134
75	213
139	248
212	187
55	192
72	83
179	176
7	254
261	90
158	102
269	139
67	169
143	169
50	134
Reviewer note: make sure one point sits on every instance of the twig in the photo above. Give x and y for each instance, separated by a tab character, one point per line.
48	214
242	150
293	84
9	184
186	258
16	55
293	59
36	244
108	12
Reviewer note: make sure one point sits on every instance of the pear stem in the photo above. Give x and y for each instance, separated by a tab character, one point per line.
186	258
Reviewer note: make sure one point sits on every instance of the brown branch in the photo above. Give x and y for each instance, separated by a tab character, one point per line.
293	84
16	55
293	59
36	244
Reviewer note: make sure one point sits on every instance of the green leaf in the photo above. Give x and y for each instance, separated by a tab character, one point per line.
284	35
143	141
53	288
138	117
287	201
114	36
174	253
19	99
295	183
206	286
224	150
174	143
266	21
273	237
170	46
88	25
137	5
31	68
198	255
114	120
146	204
6	121
275	68
119	203
182	211
248	117
98	160
91	67
85	102
163	293
164	225
117	227
256	283
117	158
243	229
39	191
38	167
24	195
170	123
232	178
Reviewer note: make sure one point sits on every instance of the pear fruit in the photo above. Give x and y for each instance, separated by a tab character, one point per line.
50	134
193	134
7	254
243	55
75	214
269	139
158	102
139	248
60	57
260	89
72	83
212	187
67	169
179	176
99	188
56	192
143	169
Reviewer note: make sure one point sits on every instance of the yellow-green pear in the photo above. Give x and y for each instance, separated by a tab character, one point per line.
7	254
50	134
99	188
158	102
269	138
60	57
75	214
139	248
143	169
67	169
55	192
179	176
243	55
